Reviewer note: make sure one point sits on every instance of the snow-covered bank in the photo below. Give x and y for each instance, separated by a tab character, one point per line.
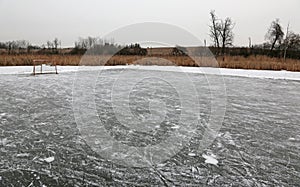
207	70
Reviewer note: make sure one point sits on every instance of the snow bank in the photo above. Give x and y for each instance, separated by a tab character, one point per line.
203	70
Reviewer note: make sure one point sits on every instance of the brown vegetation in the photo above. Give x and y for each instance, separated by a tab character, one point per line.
237	62
259	63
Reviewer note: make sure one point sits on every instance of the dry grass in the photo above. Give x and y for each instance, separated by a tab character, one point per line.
259	63
252	62
27	60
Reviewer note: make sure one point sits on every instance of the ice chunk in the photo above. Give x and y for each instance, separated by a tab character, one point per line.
49	159
2	115
229	138
292	139
3	141
210	159
175	127
192	154
23	155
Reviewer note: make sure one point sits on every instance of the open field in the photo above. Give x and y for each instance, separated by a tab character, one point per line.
235	62
40	143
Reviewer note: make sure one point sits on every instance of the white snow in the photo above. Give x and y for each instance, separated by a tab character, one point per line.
192	154
2	115
210	159
3	141
292	139
18	70
229	138
175	127
48	160
22	155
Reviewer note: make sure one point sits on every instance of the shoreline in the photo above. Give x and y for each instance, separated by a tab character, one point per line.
270	74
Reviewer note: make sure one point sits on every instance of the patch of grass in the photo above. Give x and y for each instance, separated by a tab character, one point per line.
236	62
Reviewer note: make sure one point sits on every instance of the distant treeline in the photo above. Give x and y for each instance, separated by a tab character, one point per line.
98	46
246	52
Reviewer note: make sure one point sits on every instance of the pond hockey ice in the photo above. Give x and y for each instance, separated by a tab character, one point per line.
258	143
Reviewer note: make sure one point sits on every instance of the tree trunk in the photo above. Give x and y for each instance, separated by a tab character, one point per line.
273	44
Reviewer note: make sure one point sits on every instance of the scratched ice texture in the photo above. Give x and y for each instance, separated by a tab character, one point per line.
257	145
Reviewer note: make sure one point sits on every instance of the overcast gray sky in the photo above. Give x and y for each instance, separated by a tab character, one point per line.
42	20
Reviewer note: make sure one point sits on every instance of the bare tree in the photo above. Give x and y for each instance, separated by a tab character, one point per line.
293	41
91	41
49	45
10	46
21	44
214	29
221	31
86	43
56	43
226	33
275	33
16	46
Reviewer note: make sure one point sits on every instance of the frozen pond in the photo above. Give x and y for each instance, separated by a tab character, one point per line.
258	143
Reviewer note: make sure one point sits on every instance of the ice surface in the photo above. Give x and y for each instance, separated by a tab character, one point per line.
258	144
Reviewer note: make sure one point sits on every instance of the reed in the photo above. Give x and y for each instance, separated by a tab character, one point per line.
236	62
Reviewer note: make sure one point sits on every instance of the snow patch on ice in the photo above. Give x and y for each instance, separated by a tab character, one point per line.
210	159
192	154
48	160
223	71
2	115
229	138
294	139
202	70
23	155
3	141
175	127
